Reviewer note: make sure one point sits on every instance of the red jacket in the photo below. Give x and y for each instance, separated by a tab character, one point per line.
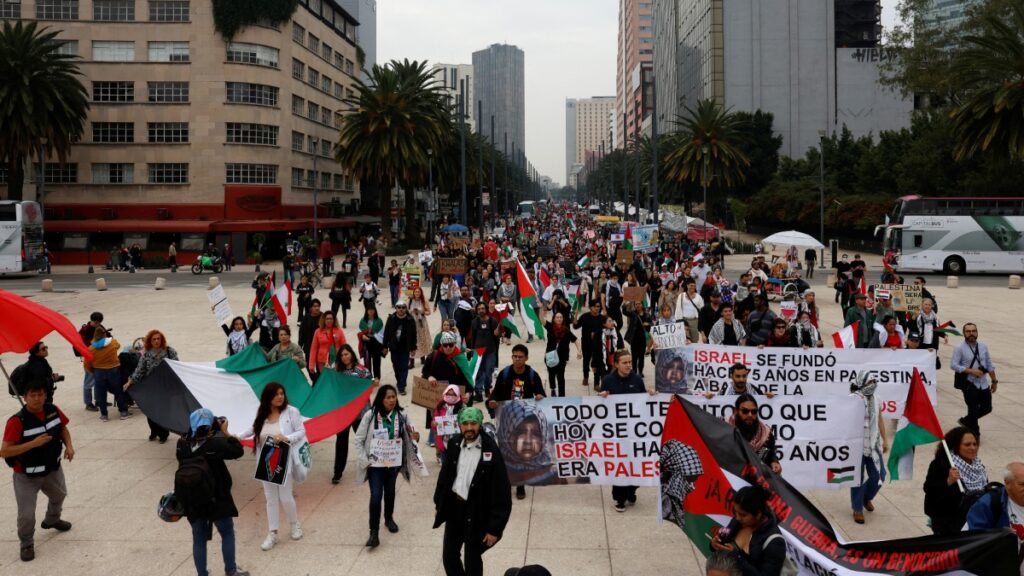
320	351
325	249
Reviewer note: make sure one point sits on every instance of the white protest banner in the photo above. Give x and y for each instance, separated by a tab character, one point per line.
589	439
219	304
815	371
669	335
645	238
819	440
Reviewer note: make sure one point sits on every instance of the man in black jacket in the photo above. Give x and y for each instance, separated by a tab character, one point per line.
209	439
400	341
472	497
38	369
308	325
590	324
623	380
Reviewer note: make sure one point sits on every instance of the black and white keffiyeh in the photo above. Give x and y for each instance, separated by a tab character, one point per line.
679	463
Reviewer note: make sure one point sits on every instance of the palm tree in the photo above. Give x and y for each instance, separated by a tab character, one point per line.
990	69
394	119
43	104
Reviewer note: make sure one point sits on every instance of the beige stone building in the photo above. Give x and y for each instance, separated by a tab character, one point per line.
191	137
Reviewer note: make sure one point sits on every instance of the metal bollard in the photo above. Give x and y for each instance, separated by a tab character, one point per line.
47	285
952	281
1014	282
101	284
214	282
161	283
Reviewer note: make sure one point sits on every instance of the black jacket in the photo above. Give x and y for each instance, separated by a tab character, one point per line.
307	328
37	369
490	498
407	342
216	450
615	384
942	502
444	369
762	559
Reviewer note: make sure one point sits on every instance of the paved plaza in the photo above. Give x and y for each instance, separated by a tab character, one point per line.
117	476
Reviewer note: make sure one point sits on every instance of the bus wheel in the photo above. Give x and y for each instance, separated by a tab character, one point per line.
954	265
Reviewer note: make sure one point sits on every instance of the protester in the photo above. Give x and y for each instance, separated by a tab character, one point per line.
927	323
238	334
419	308
447	297
738	373
394	281
32	446
285	348
400	342
371	340
442	366
875	444
89	392
208	438
1003	508
280	422
688	307
383	431
804	333
348	365
709	314
105	367
446	411
37	368
975	377
590	325
341	294
484	333
323	352
810	306
726	331
943	496
623	381
611	341
746	419
780	336
308	326
472	497
157	350
862	316
722	564
368	292
637	334
760	321
559	336
888	334
753	537
304	296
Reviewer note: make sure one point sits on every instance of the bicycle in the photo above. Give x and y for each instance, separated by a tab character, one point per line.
316	277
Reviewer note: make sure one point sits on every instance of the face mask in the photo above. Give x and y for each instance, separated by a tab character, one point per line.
451	400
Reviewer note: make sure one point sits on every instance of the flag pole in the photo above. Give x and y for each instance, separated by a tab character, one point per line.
949	455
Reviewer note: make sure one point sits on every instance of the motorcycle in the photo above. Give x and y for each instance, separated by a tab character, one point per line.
206	262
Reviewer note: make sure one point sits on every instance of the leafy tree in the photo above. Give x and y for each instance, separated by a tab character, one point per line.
43	104
761	145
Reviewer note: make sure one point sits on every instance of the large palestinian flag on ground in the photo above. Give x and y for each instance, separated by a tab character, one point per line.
727	463
231	388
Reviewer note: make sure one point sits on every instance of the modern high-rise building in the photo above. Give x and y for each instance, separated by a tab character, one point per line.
635	52
948	13
365	12
858	23
588	123
499	83
453	78
191	137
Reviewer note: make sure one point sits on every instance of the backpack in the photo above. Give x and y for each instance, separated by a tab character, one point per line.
195	487
995	501
16	381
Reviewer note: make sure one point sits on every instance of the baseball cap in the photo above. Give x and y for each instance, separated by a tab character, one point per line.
199	418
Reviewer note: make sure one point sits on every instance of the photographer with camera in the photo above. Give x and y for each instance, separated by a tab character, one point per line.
202	485
37	369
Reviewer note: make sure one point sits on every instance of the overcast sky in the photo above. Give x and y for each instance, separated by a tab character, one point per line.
569	46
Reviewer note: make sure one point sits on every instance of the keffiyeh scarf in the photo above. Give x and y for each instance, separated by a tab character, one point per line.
972	474
679	462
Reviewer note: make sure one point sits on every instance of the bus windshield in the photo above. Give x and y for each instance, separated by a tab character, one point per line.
21	237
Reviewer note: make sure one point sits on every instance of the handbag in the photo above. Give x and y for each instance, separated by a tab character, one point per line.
301	462
551	358
960	381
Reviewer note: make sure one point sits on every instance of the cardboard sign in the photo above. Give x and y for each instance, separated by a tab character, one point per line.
451	266
429	394
669	336
410	279
905	297
589	234
633	294
426	256
623	257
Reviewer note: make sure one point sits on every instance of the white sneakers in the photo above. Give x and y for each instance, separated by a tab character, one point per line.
269	542
296	531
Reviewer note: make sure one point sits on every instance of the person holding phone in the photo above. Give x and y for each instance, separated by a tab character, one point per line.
753	537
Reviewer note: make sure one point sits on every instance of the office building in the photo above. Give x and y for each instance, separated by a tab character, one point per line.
589	122
191	138
365	13
858	23
453	78
635	52
499	84
948	13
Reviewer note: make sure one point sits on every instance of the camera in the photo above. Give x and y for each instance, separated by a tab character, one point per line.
58	379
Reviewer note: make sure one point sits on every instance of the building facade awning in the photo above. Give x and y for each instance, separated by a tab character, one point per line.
197	226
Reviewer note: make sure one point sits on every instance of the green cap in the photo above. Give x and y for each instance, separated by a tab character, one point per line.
471	414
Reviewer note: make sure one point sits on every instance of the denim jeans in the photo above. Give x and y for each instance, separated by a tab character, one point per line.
400	362
201	532
382	486
109	380
483	376
871	483
394	288
87	389
445	306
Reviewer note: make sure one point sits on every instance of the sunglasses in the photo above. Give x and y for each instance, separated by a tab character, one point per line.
44	347
447	345
748	410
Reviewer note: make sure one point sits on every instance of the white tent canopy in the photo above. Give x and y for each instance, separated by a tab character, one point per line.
793	238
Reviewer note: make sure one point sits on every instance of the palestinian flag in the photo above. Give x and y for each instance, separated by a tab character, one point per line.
841	475
627	241
582	262
572	224
505	317
947	328
574	298
918	425
527	296
232	388
727	463
469	362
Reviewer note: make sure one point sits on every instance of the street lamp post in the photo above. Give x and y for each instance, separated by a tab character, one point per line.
821	193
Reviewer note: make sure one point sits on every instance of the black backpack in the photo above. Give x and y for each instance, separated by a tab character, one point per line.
16	382
995	501
195	486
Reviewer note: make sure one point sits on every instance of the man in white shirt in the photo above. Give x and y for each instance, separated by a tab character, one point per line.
688	307
473	497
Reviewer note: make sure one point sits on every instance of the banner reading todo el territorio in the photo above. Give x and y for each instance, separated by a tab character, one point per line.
616	440
815	371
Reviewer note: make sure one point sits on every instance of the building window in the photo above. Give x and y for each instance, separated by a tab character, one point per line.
349	67
58	173
298	69
311	179
67	47
243	133
339	90
326	148
113	132
337	120
314	78
12	9
311	143
113	91
113	51
245	93
338	181
57	9
113	173
252	54
113	10
169	10
325	116
325	181
339	61
326	84
168	52
168	132
314	44
168	173
327	52
298	138
298	105
251	173
313	111
168	91
297	176
298	34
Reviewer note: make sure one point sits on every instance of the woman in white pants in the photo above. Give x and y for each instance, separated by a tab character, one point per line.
283	423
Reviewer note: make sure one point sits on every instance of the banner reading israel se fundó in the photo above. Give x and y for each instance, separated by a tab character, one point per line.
815	371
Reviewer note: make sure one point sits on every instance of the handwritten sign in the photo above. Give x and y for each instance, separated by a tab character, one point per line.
667	336
905	297
220	305
623	257
429	394
451	266
633	294
385	453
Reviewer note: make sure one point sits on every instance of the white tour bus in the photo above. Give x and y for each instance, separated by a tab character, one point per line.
21	237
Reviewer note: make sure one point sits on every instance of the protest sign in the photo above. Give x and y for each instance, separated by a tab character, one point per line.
451	266
633	294
589	234
616	237
219	304
446	425
428	394
814	371
645	238
384	452
670	366
669	335
905	297
458	242
788	310
623	257
546	251
272	464
410	279
426	256
819	440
